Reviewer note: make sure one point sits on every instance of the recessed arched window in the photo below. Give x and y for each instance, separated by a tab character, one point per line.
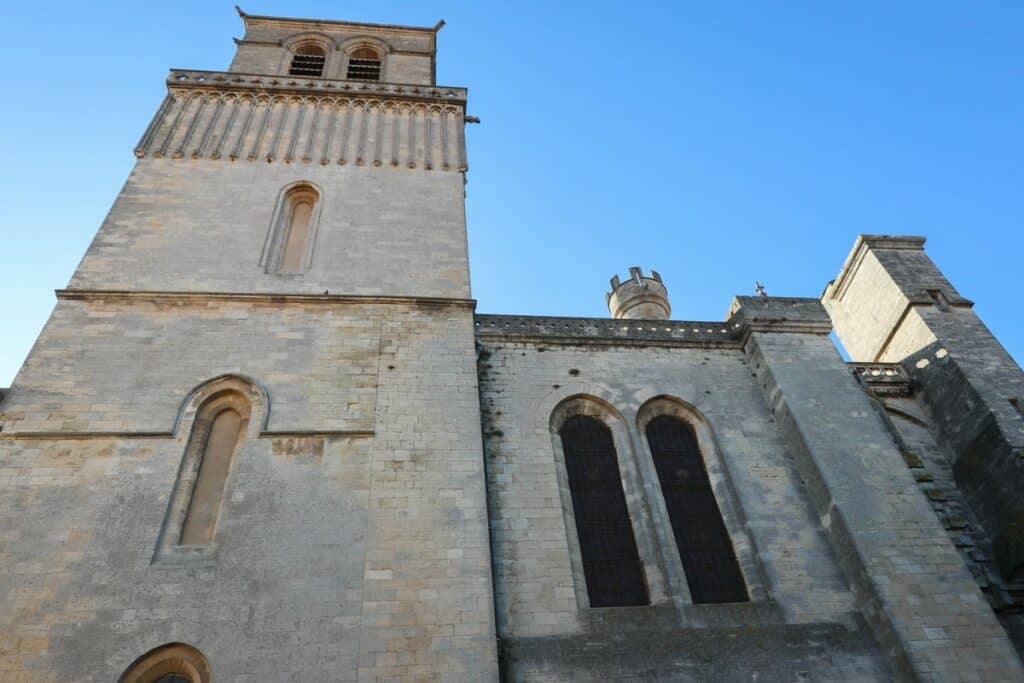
363	64
611	563
217	432
308	60
706	551
301	203
216	417
293	230
173	663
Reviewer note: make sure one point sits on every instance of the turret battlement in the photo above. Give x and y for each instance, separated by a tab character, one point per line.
639	298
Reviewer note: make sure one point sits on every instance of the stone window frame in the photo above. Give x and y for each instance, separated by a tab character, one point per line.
173	658
227	391
347	47
272	258
632	487
330	47
724	492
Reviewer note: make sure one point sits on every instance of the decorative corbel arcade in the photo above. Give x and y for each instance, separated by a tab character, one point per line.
243	117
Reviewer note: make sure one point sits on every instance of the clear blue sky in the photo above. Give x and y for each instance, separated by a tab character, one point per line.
760	139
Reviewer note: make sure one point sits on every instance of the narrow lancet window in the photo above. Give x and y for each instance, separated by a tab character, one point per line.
221	441
705	548
611	562
219	426
292	233
298	232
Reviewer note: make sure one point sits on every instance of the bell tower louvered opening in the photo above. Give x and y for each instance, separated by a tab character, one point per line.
309	60
364	65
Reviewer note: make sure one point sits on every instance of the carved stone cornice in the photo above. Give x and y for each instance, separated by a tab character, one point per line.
262	84
254	20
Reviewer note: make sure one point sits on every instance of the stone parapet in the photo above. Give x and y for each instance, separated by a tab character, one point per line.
778	314
603	330
883	379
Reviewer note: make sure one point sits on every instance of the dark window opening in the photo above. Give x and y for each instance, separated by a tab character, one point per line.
308	61
1017	403
611	563
939	297
705	548
364	65
174	678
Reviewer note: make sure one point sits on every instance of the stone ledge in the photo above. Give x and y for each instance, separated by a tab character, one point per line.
262	84
776	652
126	296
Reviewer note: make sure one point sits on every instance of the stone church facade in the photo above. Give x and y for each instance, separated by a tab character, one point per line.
265	436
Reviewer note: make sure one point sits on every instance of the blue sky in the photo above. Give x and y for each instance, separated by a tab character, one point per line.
720	143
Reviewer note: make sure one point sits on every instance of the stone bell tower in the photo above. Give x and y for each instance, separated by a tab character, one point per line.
253	411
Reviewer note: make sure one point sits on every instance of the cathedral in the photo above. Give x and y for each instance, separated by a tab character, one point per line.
266	436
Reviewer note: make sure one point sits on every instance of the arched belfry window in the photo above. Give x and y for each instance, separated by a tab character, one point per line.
174	663
364	64
611	563
308	60
293	228
706	551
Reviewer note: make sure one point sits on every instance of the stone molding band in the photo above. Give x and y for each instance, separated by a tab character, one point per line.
72	436
126	296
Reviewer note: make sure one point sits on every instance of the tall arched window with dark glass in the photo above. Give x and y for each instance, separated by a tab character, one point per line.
705	548
611	562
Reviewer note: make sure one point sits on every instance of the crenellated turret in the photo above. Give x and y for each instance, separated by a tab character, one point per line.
639	298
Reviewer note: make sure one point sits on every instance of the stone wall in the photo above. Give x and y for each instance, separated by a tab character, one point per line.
966	384
530	366
352	542
911	583
201	226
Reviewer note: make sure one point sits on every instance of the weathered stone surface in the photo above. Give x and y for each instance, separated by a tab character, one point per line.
397	505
